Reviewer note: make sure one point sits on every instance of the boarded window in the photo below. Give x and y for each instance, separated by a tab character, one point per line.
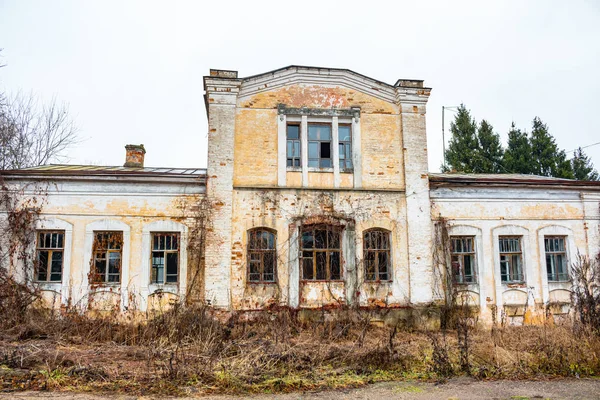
511	259
376	246
463	259
556	258
321	252
262	254
50	255
108	250
165	258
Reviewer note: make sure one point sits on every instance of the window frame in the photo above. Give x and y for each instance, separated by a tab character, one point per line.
461	264
95	251
521	273
165	252
261	252
376	252
344	143
299	141
319	141
553	254
51	250
336	229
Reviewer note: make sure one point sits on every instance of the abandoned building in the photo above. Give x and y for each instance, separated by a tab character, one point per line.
317	193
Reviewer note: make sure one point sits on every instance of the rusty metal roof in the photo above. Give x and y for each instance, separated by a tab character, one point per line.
88	172
508	179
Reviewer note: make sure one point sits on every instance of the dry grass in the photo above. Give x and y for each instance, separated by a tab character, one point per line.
190	349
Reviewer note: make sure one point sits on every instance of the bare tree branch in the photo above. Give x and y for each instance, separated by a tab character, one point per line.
31	134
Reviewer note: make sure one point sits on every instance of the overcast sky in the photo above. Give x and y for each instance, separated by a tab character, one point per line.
131	71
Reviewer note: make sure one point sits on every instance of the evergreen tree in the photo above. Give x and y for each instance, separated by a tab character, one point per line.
583	169
517	157
490	152
463	146
547	159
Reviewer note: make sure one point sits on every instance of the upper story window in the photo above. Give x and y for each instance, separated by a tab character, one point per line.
376	246
556	258
321	252
511	259
50	249
319	146
261	255
165	258
345	146
463	259
108	249
293	146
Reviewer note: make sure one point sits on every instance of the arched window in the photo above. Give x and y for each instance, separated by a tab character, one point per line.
376	246
262	256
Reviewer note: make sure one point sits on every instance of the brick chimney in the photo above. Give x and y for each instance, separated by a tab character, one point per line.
134	155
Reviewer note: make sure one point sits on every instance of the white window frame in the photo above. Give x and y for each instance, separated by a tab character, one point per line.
304	121
63	287
147	288
571	250
107	225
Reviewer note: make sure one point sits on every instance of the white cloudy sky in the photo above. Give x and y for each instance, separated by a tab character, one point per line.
131	71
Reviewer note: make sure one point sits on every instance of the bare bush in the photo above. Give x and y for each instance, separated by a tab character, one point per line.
586	291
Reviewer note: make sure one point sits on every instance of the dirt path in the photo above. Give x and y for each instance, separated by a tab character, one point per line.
454	389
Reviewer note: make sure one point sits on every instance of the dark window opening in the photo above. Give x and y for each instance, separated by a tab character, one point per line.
463	259
511	259
293	150
50	251
321	252
319	146
165	258
107	250
345	146
376	247
262	254
556	258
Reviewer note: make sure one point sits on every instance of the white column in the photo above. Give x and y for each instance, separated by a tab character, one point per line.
294	268
336	151
281	149
356	152
304	144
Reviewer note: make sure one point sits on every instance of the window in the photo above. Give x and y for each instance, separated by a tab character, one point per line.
293	145
556	258
321	258
261	255
376	246
463	259
319	146
108	247
511	259
345	145
50	249
165	258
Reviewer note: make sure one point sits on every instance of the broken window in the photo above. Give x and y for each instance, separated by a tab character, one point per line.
556	258
261	255
345	146
50	250
376	245
108	248
321	252
293	145
511	259
319	146
463	259
165	258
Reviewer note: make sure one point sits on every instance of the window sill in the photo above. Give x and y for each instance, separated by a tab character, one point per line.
346	171
313	169
515	284
567	281
465	283
378	282
294	169
322	281
46	284
257	283
172	288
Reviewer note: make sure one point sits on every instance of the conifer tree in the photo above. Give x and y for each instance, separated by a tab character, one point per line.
583	169
463	145
490	152
517	157
547	159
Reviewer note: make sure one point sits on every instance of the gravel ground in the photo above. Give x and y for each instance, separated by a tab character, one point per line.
460	388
